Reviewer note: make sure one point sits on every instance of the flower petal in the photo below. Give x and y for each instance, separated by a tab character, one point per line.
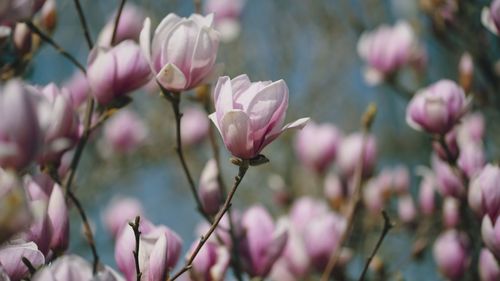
235	129
145	40
171	77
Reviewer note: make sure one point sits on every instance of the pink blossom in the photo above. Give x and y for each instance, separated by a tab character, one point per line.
317	145
437	108
114	72
250	115
451	253
183	51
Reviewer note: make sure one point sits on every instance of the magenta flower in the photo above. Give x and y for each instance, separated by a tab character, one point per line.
406	208
489	269
211	263
250	115
194	126
350	154
426	195
263	242
322	237
57	213
226	15
386	49
448	183
490	232
58	122
490	17
488	182
78	87
451	212
183	51
209	190
317	145
129	26
75	268
160	250
20	135
11	255
437	108
114	72
451	253
120	212
124	132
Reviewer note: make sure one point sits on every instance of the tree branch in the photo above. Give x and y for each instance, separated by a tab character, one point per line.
137	234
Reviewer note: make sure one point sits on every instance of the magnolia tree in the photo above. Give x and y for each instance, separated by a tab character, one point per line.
337	227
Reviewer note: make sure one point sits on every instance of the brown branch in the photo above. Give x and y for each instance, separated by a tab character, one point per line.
55	45
175	99
387	226
227	204
117	21
353	207
83	22
87	230
137	234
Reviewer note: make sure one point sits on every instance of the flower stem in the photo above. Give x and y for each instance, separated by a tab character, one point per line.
174	98
387	226
227	204
137	235
55	45
83	22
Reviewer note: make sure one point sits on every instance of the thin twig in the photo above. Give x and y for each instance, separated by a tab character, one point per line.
367	121
227	204
55	45
83	22
387	226
175	99
87	230
137	234
117	21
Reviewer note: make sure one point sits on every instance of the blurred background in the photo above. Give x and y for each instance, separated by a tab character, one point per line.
312	46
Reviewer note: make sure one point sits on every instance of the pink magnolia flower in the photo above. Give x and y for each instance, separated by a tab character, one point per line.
490	232
295	257
471	159
488	182
489	269
78	87
160	251
448	183
124	132
20	135
75	268
211	263
250	115
322	237
57	213
350	154
58	120
226	16
471	129
194	126
263	242
451	212
209	190
129	26
406	208
114	72
426	197
183	51
120	212
490	17
437	108
451	253
11	255
317	145
304	209
386	49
